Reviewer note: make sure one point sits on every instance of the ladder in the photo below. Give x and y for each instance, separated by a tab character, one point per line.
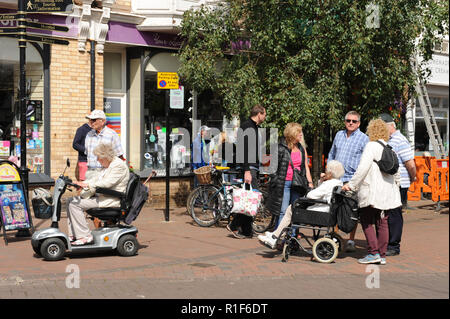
428	116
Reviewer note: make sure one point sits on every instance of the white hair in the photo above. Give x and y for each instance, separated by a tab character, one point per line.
335	168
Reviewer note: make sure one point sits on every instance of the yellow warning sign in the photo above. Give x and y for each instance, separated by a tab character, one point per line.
8	173
167	80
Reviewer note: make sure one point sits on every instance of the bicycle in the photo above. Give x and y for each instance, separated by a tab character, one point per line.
210	203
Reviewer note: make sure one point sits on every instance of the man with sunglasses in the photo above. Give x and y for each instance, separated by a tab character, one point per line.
348	146
100	134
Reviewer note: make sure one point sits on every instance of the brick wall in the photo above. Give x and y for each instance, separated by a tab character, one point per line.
70	100
122	6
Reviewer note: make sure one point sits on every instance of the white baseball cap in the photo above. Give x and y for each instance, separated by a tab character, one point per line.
96	114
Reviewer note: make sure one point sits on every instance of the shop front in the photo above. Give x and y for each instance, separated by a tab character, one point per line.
144	123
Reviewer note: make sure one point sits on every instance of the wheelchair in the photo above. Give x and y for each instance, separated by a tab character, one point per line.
325	244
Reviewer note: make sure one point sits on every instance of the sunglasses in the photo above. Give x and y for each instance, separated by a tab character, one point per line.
352	121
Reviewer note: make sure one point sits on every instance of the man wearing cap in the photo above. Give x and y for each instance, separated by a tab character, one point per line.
100	134
407	169
200	151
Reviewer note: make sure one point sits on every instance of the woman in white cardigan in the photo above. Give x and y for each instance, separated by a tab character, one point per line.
115	176
377	193
332	178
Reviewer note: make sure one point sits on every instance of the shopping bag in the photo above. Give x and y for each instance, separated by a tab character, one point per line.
246	201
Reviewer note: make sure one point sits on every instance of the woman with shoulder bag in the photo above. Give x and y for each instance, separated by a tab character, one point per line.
292	163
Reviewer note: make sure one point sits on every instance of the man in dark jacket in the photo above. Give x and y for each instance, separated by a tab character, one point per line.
78	145
248	155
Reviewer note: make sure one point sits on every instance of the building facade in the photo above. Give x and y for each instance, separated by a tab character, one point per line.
116	48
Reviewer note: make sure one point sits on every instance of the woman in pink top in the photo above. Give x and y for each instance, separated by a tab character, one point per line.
291	154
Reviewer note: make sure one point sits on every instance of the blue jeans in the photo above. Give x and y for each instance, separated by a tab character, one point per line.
289	197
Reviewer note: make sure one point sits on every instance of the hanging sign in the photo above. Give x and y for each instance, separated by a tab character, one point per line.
177	98
48	6
167	80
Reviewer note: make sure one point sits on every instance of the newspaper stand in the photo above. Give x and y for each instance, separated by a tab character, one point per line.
14	207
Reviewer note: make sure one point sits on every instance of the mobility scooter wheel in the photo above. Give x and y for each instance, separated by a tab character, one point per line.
127	245
53	249
325	250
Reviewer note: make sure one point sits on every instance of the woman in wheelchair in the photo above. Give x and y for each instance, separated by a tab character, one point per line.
115	176
328	180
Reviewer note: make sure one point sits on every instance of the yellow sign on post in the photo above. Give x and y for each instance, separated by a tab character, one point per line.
167	80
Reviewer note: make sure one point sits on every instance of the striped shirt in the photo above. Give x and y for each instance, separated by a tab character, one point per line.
401	146
106	136
348	151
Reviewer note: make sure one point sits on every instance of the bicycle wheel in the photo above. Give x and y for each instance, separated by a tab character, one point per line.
205	205
263	220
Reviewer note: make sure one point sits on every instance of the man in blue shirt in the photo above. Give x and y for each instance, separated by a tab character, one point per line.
407	170
200	151
348	146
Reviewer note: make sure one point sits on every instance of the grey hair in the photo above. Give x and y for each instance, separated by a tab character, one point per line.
105	151
353	113
335	168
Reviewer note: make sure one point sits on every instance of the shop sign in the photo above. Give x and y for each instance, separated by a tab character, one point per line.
5	148
167	80
48	6
177	98
14	210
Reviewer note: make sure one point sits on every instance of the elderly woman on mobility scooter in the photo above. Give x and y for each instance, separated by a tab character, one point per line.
328	180
114	176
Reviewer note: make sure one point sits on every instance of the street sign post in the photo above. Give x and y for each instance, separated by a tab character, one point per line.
4	31
48	6
47	40
47	26
20	32
167	81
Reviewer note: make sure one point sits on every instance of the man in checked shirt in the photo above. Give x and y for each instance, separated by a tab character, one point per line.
347	148
100	134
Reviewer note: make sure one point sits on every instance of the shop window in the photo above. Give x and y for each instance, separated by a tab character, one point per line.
10	114
112	68
154	156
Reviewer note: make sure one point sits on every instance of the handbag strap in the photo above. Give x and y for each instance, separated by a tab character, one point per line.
302	165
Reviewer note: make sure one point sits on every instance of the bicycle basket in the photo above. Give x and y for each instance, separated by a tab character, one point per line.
42	203
203	175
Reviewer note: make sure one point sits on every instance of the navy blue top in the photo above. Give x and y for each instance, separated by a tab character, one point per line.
78	141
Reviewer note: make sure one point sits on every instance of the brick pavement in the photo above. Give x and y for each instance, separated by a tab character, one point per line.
179	259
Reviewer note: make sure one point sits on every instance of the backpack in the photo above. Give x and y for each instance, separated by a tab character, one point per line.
345	206
388	163
138	199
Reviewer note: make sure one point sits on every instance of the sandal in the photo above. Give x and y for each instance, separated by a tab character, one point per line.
83	241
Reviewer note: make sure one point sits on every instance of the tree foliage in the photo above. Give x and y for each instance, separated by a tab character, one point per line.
308	61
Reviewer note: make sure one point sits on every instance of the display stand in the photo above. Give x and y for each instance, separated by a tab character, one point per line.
14	205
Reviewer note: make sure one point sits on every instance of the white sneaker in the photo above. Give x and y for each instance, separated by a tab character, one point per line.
268	234
271	242
262	238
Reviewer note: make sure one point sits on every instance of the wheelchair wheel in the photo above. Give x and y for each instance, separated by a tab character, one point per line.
338	240
286	252
325	250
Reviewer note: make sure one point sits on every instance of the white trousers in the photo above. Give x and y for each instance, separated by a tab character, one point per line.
285	222
77	224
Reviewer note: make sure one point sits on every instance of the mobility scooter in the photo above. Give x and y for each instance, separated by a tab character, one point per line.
52	244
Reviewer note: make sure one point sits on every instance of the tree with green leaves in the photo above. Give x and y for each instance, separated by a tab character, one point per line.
310	61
